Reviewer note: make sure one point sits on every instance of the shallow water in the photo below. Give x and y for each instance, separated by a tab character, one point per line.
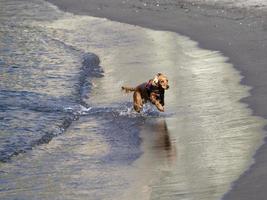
79	135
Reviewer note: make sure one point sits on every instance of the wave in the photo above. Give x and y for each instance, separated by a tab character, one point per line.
54	111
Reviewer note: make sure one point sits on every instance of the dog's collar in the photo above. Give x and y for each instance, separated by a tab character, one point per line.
150	87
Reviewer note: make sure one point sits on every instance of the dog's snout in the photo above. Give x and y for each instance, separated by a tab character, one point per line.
167	87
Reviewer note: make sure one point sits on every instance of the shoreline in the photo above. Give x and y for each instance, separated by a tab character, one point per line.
240	34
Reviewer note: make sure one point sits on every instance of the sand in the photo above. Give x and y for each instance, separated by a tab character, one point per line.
238	30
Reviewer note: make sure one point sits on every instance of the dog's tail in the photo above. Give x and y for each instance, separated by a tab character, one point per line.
128	89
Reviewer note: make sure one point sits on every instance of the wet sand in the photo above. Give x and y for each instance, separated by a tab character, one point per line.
239	33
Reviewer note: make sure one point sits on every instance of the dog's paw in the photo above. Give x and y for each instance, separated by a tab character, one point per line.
160	108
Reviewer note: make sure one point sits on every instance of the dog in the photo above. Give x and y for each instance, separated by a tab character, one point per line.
152	91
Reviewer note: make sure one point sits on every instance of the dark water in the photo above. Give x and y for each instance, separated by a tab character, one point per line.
67	131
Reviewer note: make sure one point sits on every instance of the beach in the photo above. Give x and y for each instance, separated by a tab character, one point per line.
238	31
68	132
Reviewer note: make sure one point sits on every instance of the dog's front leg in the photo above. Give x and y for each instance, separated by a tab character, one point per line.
159	106
153	98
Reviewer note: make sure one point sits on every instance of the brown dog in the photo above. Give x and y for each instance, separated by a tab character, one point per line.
152	91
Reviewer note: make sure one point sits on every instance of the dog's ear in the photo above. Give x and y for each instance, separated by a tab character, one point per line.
155	81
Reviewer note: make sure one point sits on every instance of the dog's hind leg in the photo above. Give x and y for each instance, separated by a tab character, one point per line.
137	101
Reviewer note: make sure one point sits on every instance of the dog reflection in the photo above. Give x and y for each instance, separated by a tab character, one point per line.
163	144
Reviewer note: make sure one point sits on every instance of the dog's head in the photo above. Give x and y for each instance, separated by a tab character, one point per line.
161	80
